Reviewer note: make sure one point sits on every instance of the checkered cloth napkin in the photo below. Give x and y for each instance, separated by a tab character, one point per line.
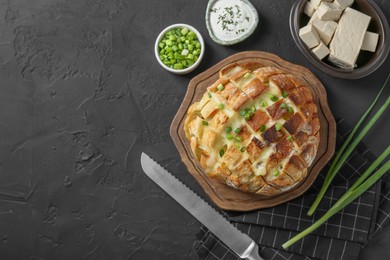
341	237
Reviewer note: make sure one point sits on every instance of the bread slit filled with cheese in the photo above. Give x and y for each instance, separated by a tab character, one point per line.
255	129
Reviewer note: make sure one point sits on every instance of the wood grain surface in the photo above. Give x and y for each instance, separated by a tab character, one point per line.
226	197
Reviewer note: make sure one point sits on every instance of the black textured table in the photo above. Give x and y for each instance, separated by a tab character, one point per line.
81	95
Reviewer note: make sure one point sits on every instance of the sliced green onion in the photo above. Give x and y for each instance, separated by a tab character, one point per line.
184	52
278	126
184	31
284	94
276	173
229	137
238	139
237	130
247	117
344	152
290	110
177	50
290	137
273	97
209	94
228	129
221	152
221	106
242	112
283	105
247	75
243	149
264	104
262	128
178	66
220	87
204	122
253	109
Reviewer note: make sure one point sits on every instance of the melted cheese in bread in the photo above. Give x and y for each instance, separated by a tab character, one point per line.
255	129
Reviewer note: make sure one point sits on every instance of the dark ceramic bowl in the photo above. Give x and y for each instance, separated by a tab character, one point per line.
367	62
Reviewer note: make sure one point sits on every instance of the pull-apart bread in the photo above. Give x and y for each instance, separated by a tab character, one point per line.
255	129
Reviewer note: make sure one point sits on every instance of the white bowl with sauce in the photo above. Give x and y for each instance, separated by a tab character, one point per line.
230	21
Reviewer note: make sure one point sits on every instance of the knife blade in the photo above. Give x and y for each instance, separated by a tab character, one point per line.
237	241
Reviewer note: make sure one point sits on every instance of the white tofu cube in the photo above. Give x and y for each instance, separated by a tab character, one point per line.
328	12
348	38
309	9
370	41
309	36
321	51
313	18
325	29
316	3
343	3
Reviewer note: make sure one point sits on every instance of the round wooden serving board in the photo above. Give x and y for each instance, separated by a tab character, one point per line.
222	195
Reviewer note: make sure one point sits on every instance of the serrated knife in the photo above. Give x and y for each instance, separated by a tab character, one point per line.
237	241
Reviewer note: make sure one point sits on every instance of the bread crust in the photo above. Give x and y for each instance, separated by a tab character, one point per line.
256	129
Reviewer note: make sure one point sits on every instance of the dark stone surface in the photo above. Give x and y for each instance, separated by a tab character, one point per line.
81	95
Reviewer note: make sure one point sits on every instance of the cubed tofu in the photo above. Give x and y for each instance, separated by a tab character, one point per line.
313	18
309	9
370	41
348	38
309	36
343	3
325	29
321	51
316	3
328	12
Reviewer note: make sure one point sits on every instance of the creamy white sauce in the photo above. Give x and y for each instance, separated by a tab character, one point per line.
230	19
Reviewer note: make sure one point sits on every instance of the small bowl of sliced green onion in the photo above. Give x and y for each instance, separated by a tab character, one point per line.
179	48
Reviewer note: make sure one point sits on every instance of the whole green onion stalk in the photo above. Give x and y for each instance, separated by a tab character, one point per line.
364	182
341	157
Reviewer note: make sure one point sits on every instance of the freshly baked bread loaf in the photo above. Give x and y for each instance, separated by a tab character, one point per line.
255	129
